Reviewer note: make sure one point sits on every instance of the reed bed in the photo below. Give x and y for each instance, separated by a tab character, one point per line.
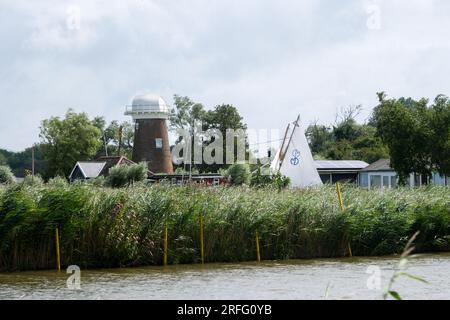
103	227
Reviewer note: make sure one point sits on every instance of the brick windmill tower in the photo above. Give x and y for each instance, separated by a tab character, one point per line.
151	138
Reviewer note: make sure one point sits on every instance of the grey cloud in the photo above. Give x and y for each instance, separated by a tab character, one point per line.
271	59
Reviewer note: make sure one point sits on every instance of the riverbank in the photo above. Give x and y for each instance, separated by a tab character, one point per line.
103	227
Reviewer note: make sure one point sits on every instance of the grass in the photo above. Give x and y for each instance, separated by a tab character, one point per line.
400	270
103	227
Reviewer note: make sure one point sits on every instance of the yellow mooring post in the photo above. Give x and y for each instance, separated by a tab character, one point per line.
258	255
338	190
202	242
341	203
166	234
58	255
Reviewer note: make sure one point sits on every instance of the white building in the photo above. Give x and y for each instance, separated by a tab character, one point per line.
380	175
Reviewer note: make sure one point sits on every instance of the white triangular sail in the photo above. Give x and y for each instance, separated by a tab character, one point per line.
294	160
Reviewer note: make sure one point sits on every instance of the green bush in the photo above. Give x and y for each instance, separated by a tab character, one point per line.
97	182
137	172
6	175
118	176
126	175
33	181
58	182
276	180
239	174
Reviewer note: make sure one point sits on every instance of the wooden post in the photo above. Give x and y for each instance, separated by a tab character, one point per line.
338	190
120	141
341	204
349	250
166	232
58	254
258	255
202	242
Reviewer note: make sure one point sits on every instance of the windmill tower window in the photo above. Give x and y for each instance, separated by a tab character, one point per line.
159	143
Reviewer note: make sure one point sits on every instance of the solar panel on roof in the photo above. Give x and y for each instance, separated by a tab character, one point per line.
340	164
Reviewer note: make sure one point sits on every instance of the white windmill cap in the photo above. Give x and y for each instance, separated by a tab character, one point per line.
147	106
154	101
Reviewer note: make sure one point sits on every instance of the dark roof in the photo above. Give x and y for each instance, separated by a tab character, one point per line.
112	162
380	165
340	164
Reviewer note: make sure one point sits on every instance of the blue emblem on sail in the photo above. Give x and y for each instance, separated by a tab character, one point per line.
295	160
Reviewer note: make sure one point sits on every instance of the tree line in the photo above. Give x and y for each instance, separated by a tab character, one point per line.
76	137
414	134
346	139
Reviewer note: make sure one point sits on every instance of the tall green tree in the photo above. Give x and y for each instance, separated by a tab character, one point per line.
320	139
116	138
368	146
192	116
440	126
404	125
186	113
66	141
186	116
121	138
222	118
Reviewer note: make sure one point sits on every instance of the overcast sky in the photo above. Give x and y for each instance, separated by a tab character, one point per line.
271	59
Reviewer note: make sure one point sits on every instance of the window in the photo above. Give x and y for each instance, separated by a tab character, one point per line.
159	143
344	177
364	180
326	178
438	180
393	181
386	181
375	181
417	180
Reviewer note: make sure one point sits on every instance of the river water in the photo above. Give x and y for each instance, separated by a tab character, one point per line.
293	279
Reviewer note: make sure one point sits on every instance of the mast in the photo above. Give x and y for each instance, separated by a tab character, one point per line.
282	146
283	153
120	141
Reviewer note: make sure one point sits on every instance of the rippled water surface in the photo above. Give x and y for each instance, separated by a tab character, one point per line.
294	279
